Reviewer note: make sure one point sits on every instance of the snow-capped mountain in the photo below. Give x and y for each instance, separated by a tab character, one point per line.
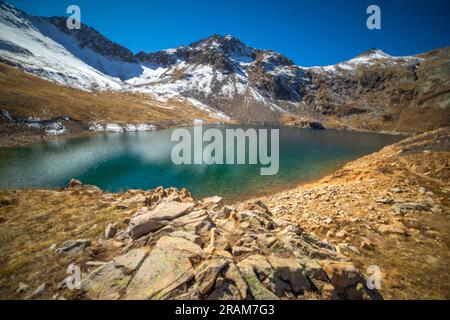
221	74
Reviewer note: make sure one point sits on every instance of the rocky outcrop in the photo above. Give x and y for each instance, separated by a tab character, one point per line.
177	248
385	209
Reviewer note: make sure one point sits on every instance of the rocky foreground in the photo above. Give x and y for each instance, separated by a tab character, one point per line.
389	209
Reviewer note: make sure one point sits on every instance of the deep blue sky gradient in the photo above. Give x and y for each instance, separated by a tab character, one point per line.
310	32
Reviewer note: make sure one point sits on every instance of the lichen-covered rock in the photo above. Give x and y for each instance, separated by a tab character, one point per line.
256	288
290	271
207	273
167	267
157	218
131	260
105	283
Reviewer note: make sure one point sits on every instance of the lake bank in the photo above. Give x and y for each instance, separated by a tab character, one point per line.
20	135
142	160
389	208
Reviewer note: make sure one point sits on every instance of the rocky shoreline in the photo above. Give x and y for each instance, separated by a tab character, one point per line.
18	134
389	209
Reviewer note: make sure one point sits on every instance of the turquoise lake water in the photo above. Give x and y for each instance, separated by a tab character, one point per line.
142	160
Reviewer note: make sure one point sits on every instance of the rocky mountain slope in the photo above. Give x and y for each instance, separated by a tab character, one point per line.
33	110
224	76
389	209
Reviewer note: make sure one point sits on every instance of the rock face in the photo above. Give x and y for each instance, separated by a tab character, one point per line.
166	268
205	250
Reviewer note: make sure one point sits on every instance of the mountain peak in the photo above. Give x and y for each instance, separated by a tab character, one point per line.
219	41
374	53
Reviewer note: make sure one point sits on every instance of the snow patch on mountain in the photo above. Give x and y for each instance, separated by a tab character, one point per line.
214	74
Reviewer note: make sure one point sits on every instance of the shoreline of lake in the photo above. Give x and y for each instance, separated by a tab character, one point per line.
23	136
354	210
119	162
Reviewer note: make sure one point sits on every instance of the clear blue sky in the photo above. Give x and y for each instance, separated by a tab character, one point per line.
310	32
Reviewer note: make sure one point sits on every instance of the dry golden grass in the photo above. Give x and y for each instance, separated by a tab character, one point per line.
27	95
31	221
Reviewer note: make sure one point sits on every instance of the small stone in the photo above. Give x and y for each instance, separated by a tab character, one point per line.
392	229
111	244
39	291
341	234
22	287
354	249
95	263
212	200
73	246
367	245
74	183
385	201
188	236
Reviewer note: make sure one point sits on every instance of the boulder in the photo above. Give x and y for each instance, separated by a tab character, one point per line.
131	260
167	267
232	274
182	246
157	218
341	274
72	247
74	183
207	273
105	283
290	271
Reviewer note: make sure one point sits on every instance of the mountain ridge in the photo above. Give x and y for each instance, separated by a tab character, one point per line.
223	74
